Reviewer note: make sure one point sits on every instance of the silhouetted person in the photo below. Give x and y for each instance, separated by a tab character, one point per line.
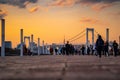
99	45
106	48
71	49
63	50
29	53
115	47
83	49
88	50
56	51
67	46
24	49
51	50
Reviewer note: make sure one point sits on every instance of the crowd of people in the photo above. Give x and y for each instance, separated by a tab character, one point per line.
100	48
103	47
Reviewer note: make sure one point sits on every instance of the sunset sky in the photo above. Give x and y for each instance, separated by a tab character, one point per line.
51	20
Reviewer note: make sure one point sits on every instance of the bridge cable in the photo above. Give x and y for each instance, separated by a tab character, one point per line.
76	35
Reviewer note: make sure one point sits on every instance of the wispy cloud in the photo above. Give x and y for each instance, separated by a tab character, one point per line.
19	3
100	6
88	20
36	8
3	13
87	2
96	5
115	15
63	3
91	21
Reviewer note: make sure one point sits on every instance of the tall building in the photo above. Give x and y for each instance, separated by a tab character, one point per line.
8	44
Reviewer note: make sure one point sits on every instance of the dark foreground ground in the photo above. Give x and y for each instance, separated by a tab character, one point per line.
54	67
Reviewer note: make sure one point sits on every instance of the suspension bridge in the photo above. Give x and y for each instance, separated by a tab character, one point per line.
85	32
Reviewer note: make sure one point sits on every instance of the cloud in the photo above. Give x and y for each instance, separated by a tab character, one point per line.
96	5
3	13
88	20
116	13
63	3
95	1
36	8
100	6
92	21
19	3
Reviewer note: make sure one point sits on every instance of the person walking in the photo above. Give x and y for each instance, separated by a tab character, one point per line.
67	46
88	50
51	50
115	48
106	48
99	45
83	49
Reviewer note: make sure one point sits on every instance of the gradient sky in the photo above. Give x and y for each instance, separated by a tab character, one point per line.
51	20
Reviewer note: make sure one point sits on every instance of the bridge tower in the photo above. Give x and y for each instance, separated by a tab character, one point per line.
87	31
27	37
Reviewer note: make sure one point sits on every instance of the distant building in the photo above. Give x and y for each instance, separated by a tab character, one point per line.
8	44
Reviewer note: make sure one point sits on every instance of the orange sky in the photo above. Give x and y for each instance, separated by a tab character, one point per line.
51	20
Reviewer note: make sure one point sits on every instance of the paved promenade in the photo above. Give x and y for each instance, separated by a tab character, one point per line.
58	67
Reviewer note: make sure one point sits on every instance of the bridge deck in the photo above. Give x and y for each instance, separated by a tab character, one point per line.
56	67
